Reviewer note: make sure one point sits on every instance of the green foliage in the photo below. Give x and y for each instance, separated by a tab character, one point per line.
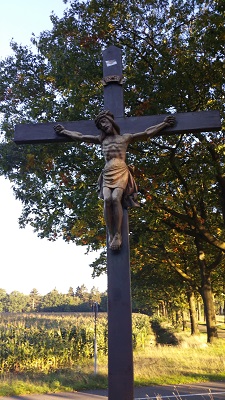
47	343
16	302
52	342
173	57
191	361
168	62
140	330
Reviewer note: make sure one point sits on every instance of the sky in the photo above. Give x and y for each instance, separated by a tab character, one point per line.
28	262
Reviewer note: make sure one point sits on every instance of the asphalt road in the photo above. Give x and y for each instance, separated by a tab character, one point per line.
203	391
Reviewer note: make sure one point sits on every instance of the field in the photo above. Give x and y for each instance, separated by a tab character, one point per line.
50	353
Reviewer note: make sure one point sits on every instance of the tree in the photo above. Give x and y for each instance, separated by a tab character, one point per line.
173	56
16	302
35	299
82	293
95	295
71	292
52	300
3	299
184	198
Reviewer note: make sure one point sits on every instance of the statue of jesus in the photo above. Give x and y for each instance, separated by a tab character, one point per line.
117	186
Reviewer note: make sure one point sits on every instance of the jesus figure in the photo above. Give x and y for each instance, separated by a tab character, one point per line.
117	186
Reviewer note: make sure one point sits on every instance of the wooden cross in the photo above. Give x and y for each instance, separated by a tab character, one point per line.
120	354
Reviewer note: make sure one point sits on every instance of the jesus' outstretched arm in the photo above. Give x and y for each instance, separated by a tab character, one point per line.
60	130
153	130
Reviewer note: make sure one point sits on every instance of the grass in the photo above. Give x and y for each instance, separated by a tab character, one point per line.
62	380
191	361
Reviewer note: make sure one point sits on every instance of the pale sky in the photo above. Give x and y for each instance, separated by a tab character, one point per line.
28	262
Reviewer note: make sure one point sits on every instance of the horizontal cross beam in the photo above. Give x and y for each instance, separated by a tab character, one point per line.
201	121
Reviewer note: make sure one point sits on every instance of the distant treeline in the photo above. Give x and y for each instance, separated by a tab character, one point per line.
78	300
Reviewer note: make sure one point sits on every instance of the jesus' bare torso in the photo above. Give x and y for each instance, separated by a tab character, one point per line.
116	179
115	147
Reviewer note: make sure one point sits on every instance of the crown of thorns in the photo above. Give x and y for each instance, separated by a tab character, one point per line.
106	114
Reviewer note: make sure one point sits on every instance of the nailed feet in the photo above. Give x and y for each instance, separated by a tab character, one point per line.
116	242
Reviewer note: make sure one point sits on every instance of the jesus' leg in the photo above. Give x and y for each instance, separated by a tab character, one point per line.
108	212
117	218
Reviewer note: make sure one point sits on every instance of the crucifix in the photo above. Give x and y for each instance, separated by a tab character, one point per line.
117	187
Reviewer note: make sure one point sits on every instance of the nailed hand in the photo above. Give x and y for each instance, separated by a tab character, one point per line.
170	120
59	129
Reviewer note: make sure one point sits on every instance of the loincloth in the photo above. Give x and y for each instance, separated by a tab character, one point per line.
116	174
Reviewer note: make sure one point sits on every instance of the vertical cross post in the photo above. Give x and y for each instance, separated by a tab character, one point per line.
113	80
120	350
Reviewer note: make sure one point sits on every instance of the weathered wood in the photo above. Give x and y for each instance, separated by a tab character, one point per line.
201	121
112	80
44	133
120	352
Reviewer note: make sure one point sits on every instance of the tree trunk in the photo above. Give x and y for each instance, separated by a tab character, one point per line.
210	315
184	320
162	309
199	308
207	294
192	311
223	309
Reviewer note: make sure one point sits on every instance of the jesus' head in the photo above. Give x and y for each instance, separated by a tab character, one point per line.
105	122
